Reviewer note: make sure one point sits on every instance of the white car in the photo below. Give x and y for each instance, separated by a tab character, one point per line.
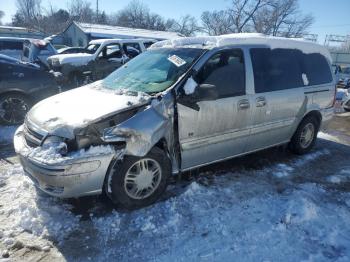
346	101
100	58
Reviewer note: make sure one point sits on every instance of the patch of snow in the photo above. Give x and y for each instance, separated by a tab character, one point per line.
49	155
282	170
23	209
190	86
311	157
54	114
285	170
79	59
335	179
246	38
6	134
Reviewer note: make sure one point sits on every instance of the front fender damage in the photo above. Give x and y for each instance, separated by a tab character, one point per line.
143	131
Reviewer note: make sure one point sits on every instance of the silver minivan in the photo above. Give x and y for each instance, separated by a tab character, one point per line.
183	104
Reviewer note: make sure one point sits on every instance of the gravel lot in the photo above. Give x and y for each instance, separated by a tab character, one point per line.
268	206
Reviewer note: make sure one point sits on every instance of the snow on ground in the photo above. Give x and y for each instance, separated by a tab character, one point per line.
240	214
27	210
6	134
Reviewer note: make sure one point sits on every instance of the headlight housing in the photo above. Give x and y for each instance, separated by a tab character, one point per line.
58	143
55	62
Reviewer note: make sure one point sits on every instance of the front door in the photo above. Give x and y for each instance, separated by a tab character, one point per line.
218	129
109	59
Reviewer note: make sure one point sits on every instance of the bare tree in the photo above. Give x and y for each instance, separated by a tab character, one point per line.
55	21
241	13
137	15
186	25
272	17
216	22
282	18
80	10
236	19
28	13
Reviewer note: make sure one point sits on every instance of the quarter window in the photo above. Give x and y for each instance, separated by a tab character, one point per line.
225	70
132	49
276	69
111	51
317	69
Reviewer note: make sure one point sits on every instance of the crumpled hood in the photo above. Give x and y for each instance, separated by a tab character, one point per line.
73	59
61	114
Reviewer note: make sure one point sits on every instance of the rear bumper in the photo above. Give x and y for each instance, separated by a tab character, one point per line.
70	178
327	115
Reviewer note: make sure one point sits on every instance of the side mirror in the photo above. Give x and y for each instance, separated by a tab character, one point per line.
194	93
202	92
206	92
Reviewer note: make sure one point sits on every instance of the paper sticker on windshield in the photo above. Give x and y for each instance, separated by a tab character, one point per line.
176	60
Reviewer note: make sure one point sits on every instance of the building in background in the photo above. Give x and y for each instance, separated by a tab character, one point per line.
11	31
80	34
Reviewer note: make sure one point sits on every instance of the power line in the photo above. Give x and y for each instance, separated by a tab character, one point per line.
339	25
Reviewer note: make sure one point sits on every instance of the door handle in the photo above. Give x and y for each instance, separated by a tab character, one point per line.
260	102
244	104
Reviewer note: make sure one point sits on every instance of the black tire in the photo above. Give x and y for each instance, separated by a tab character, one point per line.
115	182
347	110
13	108
296	144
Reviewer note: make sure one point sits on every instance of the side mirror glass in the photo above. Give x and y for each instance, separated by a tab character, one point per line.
206	92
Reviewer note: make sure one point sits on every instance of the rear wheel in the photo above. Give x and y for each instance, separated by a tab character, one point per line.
13	108
137	182
305	137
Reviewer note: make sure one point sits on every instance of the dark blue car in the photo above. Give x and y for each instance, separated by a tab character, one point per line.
21	85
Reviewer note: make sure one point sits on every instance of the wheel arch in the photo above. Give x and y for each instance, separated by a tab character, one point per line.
313	113
17	92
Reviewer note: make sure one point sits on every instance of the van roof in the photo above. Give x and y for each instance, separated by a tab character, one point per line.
116	40
210	42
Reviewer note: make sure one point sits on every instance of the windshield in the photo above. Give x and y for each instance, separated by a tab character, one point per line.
91	49
153	71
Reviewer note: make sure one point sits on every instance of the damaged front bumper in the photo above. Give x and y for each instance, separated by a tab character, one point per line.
66	178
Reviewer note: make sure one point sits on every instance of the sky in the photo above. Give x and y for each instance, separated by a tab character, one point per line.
331	16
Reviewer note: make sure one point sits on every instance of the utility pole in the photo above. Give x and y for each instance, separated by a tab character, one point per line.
96	11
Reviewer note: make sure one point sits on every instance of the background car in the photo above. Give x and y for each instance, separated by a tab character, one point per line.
71	50
37	51
99	59
21	85
27	50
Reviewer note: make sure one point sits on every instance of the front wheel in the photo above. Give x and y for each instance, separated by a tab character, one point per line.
13	109
136	182
305	137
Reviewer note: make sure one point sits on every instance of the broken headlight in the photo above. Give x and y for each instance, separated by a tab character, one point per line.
57	143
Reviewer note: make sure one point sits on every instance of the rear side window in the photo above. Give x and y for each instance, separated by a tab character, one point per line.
276	69
225	70
12	45
316	68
